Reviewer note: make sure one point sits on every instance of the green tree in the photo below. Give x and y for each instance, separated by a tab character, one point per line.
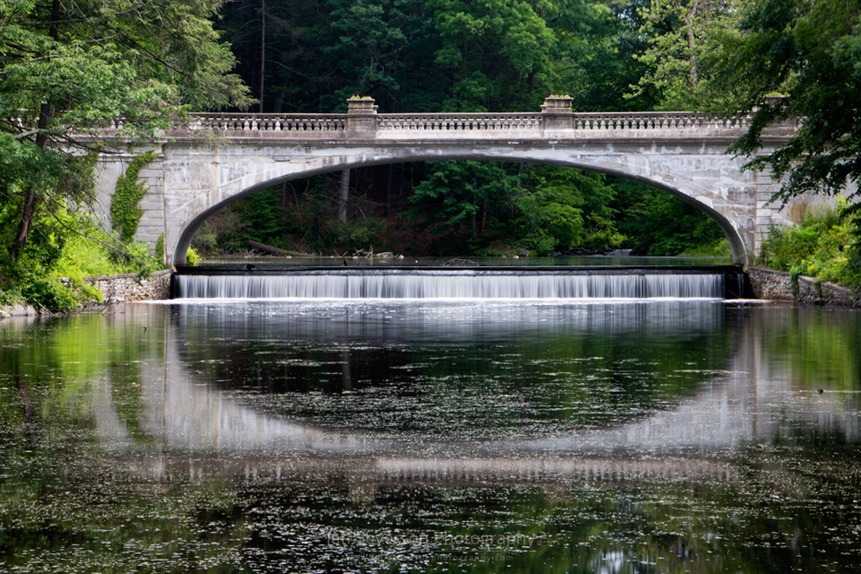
563	208
368	44
65	68
463	202
655	222
496	54
680	34
810	55
594	55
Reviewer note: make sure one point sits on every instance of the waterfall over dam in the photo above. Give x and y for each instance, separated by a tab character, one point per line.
456	283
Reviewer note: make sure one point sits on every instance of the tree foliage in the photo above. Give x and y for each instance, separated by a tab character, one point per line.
808	54
654	222
66	68
680	35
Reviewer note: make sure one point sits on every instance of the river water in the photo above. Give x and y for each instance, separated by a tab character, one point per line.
667	435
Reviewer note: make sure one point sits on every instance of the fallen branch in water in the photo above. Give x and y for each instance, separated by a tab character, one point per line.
273	250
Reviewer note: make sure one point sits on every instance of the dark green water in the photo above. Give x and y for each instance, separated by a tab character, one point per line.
665	436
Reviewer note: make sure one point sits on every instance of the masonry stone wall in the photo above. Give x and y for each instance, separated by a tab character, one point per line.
115	289
131	287
777	286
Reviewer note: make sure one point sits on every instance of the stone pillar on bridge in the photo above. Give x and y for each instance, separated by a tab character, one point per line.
361	117
556	114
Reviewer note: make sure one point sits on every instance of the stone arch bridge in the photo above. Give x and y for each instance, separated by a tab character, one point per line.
211	160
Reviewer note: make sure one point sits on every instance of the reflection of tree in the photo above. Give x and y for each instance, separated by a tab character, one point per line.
522	375
64	505
61	362
821	347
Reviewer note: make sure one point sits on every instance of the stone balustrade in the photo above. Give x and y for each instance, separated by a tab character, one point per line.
652	121
555	120
232	123
459	125
520	122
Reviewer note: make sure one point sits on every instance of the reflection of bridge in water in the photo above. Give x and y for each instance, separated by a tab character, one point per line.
199	430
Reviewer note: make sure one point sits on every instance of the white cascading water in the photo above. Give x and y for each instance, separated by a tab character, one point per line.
445	284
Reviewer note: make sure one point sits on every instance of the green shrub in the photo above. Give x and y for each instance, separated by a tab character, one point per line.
191	256
826	246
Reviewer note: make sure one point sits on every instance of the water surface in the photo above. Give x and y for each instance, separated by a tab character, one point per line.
390	436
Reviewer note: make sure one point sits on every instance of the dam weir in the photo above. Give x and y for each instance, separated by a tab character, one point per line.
458	283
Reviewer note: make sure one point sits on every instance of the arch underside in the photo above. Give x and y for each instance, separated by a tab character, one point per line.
677	174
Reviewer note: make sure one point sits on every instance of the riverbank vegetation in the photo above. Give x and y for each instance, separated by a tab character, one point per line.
824	244
64	68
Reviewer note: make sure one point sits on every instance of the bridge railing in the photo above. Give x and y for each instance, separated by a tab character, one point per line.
399	126
647	121
232	123
445	123
556	120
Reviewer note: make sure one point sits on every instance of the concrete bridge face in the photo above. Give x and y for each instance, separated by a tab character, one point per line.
217	159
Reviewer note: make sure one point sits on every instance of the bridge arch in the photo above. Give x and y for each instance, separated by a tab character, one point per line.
209	160
669	171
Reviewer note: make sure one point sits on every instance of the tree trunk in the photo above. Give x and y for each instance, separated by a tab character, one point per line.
389	181
262	51
31	198
345	195
690	16
45	113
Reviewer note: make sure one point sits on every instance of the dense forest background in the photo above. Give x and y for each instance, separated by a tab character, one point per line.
66	67
442	55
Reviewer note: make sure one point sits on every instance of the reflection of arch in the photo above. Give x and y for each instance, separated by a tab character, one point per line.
705	178
185	411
